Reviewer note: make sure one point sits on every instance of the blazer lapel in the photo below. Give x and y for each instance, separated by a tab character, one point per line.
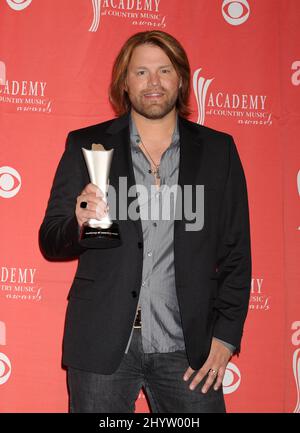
190	161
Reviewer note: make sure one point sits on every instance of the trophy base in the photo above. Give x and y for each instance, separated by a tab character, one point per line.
97	237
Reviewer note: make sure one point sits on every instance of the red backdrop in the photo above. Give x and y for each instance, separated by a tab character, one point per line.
55	65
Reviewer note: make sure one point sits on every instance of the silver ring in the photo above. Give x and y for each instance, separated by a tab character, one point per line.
215	372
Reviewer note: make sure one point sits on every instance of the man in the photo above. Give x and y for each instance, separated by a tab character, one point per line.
166	308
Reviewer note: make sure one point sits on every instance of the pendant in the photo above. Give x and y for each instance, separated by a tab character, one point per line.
156	173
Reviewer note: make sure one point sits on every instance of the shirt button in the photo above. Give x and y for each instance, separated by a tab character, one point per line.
155	224
149	254
143	283
140	245
134	294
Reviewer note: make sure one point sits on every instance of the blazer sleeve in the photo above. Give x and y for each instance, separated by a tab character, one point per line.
234	255
59	232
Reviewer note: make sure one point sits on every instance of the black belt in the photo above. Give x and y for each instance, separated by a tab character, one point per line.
138	321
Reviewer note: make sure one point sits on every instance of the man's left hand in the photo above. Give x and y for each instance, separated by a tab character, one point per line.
215	366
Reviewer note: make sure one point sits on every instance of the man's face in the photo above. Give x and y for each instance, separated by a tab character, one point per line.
152	82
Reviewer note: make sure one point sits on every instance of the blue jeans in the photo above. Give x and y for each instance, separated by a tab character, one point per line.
161	375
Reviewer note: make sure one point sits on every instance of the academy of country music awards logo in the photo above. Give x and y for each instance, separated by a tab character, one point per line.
295	340
5	364
25	95
259	301
244	108
19	284
138	12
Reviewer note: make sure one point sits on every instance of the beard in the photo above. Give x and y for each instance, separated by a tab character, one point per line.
153	109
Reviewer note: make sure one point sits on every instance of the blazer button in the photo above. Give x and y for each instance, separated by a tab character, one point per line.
134	294
140	244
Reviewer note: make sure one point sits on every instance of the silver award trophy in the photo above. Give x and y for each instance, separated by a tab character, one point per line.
98	161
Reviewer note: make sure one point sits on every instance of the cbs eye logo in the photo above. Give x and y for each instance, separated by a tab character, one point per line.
18	5
235	12
5	368
232	378
10	182
5	364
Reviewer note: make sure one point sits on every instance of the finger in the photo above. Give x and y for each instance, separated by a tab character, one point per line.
98	212
92	202
220	378
92	189
89	197
188	373
91	214
93	205
101	211
209	381
198	378
82	219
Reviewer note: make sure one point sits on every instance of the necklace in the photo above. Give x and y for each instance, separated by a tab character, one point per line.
155	172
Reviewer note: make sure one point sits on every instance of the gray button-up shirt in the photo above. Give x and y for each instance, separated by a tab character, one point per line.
161	321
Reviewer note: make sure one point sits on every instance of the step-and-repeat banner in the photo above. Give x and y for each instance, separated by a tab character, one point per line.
55	67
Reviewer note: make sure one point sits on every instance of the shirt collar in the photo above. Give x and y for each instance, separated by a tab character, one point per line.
135	137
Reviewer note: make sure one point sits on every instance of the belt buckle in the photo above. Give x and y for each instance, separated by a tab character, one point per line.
138	322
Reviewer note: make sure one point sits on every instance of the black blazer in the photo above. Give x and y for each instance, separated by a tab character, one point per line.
212	266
